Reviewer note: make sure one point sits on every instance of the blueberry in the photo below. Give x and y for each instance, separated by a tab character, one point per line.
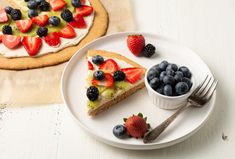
173	67
169	80
162	75
167	90
39	1
92	93
6	29
8	9
54	20
163	65
67	15
76	3
160	89
185	71
32	13
99	75
44	6
152	74
157	68
120	131
154	83
179	73
170	72
188	81
97	59
119	76
32	4
42	31
16	14
178	78
181	88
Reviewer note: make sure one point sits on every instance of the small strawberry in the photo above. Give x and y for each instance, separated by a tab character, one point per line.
133	74
32	44
57	4
78	22
40	20
24	25
136	44
0	37
109	66
136	126
106	82
52	39
67	32
11	41
84	10
3	16
90	66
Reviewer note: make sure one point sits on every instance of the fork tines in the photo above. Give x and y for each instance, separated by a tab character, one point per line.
206	89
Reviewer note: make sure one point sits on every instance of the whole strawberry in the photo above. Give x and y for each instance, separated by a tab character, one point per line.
136	44
136	126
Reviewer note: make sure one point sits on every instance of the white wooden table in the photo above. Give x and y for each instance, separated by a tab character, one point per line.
206	26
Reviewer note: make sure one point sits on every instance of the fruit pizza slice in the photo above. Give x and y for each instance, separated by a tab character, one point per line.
111	78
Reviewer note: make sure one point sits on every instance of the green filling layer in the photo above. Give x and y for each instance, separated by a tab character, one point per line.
93	104
122	85
108	93
101	89
70	6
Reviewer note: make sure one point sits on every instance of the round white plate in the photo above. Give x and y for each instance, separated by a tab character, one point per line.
74	93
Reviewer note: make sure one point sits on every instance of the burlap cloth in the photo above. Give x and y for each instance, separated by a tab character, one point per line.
42	86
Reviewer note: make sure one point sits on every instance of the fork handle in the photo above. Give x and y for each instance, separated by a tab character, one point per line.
153	134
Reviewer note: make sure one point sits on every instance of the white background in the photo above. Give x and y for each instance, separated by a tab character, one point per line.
207	27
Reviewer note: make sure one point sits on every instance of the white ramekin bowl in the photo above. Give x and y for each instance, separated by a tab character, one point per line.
167	102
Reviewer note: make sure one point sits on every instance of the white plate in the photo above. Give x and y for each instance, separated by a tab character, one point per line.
74	94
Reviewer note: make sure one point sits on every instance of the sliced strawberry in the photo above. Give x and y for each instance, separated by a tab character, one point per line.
106	82
84	10
109	66
24	25
11	41
32	44
40	20
90	66
52	39
133	74
0	38
78	22
67	32
57	4
3	16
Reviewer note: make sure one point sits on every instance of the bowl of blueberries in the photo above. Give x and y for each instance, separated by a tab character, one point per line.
169	85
